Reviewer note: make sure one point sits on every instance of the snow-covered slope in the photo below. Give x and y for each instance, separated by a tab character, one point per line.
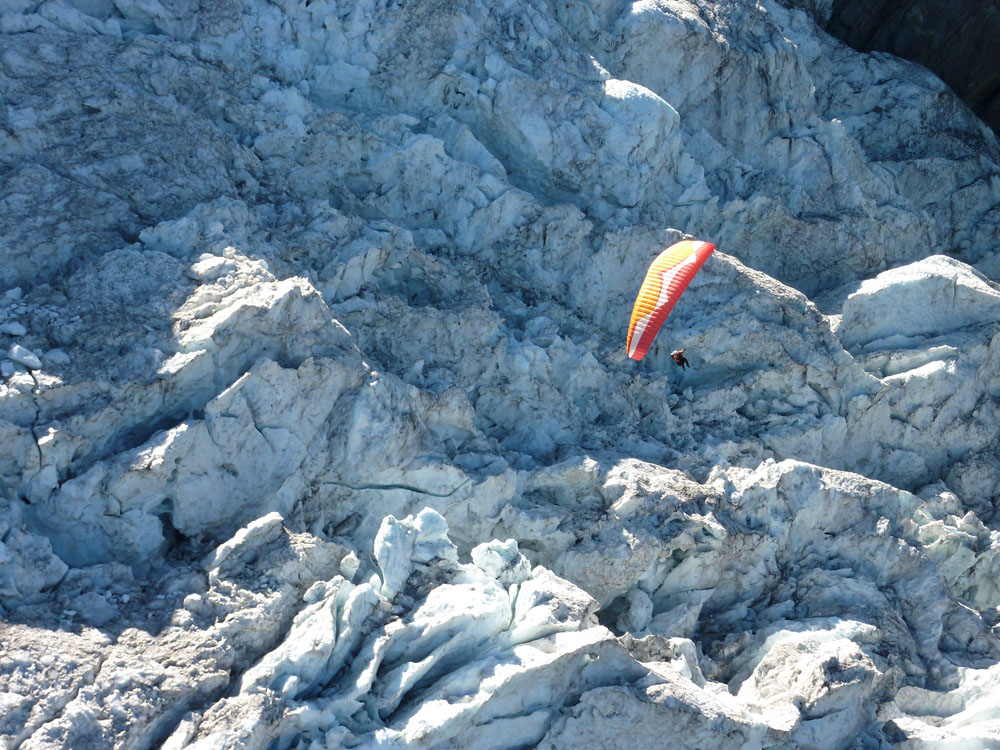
316	424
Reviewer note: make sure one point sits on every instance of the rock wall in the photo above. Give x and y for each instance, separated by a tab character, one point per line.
956	40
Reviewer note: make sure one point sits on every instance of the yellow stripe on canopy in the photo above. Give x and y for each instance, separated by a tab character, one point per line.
666	279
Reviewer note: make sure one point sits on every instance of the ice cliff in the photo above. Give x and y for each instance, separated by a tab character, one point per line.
316	424
952	39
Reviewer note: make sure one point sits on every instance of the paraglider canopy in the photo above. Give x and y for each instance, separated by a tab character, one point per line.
667	278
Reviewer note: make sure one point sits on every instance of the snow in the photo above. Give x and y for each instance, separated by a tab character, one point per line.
316	424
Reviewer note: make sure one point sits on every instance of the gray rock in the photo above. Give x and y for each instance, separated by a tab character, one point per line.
23	356
56	357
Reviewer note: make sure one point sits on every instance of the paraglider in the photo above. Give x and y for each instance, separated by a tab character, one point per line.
679	358
667	278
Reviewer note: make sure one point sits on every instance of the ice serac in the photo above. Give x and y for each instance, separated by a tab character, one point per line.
316	428
933	297
501	661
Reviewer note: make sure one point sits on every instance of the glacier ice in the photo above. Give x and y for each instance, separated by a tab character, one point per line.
316	427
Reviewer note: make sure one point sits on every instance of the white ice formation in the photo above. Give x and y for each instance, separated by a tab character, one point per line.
316	424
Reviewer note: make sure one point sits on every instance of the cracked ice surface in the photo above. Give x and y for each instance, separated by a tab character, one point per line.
316	428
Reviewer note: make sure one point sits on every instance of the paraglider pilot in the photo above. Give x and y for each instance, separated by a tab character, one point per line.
679	358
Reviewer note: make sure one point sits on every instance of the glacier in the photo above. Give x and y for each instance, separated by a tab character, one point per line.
317	429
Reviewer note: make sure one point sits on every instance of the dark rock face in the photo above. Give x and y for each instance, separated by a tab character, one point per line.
957	39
